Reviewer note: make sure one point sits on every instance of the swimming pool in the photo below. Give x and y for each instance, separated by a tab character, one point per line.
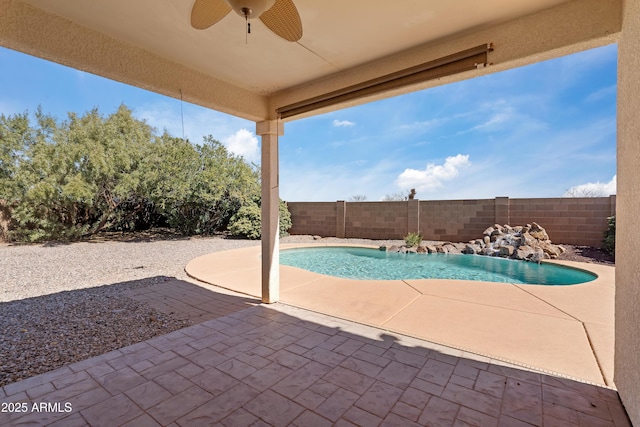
372	264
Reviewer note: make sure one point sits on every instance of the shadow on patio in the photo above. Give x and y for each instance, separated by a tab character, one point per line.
281	365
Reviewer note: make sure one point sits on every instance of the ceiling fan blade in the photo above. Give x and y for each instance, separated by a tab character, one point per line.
284	20
205	13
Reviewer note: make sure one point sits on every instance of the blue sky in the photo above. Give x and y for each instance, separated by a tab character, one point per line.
535	131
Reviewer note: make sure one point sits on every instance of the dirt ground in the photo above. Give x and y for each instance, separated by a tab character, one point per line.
586	254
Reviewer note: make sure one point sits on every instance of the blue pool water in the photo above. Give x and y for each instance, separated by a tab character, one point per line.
372	264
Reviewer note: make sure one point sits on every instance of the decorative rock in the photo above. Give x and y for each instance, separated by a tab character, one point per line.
452	248
538	232
524	252
488	251
506	250
552	251
470	249
495	235
530	242
488	231
537	256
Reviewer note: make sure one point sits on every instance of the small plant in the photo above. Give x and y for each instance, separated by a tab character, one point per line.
609	241
413	239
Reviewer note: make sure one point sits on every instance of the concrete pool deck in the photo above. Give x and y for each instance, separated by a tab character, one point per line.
566	330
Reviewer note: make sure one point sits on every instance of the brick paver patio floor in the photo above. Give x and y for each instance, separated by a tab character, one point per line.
280	365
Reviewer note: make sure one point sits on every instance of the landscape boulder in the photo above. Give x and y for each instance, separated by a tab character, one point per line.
528	242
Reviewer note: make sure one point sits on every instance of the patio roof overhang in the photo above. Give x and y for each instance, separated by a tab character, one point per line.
151	44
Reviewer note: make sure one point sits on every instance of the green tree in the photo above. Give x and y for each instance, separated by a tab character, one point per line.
16	137
77	174
199	188
92	173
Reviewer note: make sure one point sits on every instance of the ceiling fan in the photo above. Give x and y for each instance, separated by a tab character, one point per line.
280	16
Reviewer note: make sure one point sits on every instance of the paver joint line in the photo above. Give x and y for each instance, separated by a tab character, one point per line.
394	318
595	355
284	365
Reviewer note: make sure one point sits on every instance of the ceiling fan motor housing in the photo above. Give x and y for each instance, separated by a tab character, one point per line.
250	8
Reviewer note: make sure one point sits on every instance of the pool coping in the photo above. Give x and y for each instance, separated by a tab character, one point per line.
566	330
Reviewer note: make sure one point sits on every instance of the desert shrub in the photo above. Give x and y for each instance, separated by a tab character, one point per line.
72	177
199	188
609	241
285	223
246	222
65	180
413	239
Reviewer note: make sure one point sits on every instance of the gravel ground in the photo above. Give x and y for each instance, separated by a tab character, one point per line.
62	303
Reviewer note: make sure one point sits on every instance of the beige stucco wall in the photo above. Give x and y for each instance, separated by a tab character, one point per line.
627	349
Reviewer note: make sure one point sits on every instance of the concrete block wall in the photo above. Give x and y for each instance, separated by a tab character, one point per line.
576	221
376	220
315	218
456	220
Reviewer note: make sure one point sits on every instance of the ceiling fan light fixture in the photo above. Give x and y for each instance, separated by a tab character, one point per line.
250	9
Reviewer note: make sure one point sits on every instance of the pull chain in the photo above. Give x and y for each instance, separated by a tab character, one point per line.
246	12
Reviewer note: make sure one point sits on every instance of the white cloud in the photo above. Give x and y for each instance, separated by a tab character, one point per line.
433	175
421	126
496	119
198	121
592	189
501	116
243	143
602	93
343	123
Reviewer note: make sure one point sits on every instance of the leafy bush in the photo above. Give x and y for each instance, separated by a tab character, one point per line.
609	241
413	239
246	222
284	218
65	180
200	189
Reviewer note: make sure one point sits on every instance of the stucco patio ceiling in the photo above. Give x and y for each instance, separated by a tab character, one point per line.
150	43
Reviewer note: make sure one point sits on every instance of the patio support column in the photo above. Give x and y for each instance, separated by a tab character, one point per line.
627	314
269	130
